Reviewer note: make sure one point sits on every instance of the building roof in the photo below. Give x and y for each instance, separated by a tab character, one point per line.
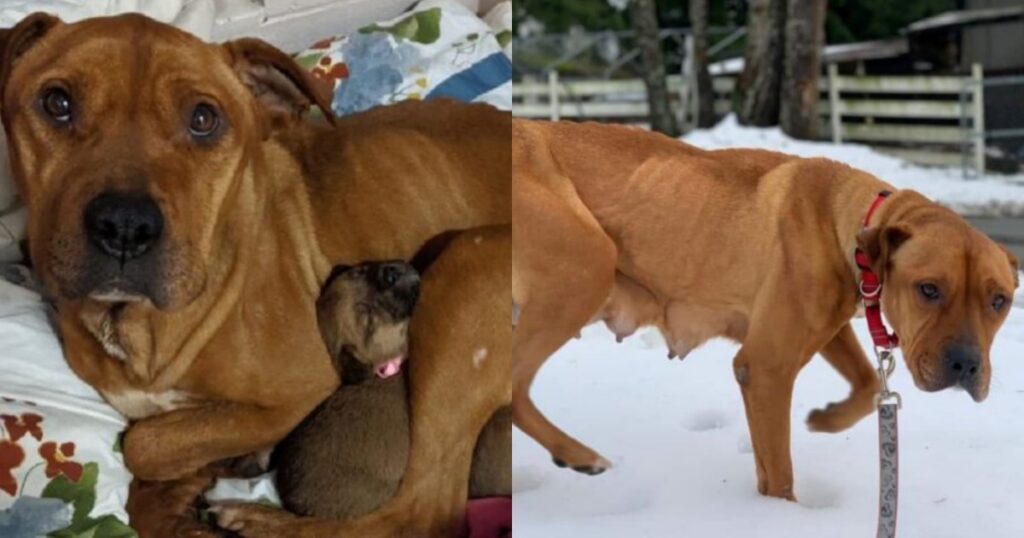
967	17
843	52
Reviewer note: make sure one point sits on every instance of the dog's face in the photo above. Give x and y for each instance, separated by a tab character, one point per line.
363	313
947	290
131	142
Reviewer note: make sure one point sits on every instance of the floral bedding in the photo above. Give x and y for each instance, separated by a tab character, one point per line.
61	471
439	49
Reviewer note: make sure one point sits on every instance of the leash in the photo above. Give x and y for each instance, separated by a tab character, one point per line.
887	401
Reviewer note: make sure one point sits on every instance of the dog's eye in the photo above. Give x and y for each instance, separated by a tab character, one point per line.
998	302
205	121
57	104
929	291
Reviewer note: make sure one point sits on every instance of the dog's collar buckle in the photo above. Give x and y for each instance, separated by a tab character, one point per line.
870	288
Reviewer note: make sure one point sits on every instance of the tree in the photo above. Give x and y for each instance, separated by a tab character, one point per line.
644	21
805	37
705	91
761	79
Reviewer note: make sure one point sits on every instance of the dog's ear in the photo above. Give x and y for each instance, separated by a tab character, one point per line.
16	40
283	87
879	244
1014	266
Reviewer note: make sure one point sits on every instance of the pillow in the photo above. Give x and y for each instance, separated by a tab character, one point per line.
438	49
61	470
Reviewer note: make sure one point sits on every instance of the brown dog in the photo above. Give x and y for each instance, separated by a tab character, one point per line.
183	218
466	290
347	458
756	246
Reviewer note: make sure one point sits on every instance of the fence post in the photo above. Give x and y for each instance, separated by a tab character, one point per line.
553	103
978	128
688	94
833	104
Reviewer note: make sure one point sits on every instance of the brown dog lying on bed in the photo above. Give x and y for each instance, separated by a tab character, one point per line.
183	216
348	457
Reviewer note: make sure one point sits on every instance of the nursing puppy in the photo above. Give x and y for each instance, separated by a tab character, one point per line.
349	455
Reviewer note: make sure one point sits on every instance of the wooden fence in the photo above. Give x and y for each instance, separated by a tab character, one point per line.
936	120
623	100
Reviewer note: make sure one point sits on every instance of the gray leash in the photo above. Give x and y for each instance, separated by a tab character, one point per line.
888	403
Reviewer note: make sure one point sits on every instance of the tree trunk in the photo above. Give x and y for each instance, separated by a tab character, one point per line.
805	37
762	71
705	92
644	20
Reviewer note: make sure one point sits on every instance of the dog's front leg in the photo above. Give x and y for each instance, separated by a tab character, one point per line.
175	444
779	343
767	395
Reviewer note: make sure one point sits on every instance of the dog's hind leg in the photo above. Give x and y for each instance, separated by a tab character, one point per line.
846	355
563	272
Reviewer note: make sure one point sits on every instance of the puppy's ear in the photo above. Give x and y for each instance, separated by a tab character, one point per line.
15	41
879	244
326	317
283	87
1014	265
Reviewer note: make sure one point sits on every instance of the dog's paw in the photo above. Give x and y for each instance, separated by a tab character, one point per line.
252	520
837	417
597	465
823	420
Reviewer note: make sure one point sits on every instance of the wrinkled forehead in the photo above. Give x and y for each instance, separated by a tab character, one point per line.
934	245
128	51
953	253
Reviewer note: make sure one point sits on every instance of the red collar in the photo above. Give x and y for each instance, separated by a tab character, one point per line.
870	288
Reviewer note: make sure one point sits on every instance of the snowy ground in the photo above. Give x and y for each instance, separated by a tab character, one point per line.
992	195
678	438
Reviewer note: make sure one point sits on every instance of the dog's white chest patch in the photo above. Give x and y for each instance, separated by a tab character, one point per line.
136	404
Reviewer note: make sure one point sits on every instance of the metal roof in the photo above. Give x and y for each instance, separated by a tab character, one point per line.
967	17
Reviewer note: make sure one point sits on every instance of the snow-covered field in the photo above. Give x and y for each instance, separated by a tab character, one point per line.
677	435
991	195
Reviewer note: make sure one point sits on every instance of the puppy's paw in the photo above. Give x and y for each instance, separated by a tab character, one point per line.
252	520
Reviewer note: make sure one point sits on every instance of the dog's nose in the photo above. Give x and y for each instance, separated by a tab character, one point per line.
962	365
123	225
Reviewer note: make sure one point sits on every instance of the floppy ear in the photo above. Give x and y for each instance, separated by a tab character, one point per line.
1014	266
326	306
283	87
879	244
18	39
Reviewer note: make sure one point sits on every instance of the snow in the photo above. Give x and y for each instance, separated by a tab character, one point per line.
991	195
677	434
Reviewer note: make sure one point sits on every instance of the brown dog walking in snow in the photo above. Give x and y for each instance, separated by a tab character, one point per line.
634	228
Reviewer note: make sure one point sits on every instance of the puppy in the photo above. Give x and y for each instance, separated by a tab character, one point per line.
348	457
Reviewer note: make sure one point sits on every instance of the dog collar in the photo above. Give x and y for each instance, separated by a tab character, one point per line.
870	288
